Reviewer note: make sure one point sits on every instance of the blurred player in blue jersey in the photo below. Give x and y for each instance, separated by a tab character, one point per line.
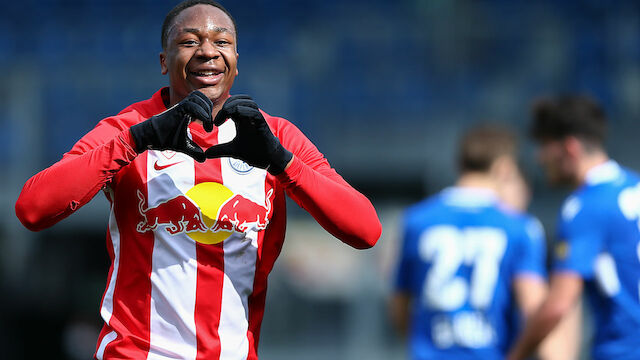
467	257
597	248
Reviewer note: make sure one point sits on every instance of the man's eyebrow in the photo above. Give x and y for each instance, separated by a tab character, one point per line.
215	28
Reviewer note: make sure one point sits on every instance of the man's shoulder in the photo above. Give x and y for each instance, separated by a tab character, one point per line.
608	185
515	222
531	225
600	196
592	202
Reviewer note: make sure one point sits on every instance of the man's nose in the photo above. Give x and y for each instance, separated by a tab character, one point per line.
208	50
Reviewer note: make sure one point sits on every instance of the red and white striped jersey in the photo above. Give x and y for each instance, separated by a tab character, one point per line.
191	244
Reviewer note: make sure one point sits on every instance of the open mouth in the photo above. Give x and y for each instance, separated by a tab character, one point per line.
207	77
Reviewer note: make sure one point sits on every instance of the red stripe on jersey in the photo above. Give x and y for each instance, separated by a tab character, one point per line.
209	299
210	268
269	247
132	293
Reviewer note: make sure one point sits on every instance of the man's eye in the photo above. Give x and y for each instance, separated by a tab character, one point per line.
222	42
189	42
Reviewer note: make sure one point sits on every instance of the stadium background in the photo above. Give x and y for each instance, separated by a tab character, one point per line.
383	88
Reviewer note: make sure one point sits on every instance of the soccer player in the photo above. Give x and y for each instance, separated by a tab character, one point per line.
597	247
197	180
466	256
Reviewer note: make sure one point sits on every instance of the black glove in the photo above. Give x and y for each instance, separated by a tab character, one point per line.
254	143
168	130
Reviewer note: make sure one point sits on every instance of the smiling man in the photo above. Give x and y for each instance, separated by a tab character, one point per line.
197	180
203	57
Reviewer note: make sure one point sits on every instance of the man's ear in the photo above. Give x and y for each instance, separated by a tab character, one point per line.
573	147
163	63
503	168
237	56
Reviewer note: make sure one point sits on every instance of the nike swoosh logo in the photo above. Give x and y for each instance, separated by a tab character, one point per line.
162	167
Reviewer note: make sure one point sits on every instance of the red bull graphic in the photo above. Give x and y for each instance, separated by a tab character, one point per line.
241	214
178	215
209	213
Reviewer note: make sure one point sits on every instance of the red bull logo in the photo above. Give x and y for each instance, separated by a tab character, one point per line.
208	213
178	215
241	214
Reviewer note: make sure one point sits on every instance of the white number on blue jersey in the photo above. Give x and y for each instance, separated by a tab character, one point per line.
447	248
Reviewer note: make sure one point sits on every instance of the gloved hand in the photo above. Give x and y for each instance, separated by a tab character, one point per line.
254	143
168	130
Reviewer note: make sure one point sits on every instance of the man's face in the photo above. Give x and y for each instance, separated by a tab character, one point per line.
556	162
201	54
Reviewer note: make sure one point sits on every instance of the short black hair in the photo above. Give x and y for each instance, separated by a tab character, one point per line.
555	118
168	20
483	144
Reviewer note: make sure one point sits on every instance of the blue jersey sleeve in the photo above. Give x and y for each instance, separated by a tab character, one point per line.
532	251
580	237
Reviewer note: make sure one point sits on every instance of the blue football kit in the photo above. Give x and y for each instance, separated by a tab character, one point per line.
461	252
599	239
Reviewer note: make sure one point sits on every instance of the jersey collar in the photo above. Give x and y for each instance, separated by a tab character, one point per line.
603	173
470	196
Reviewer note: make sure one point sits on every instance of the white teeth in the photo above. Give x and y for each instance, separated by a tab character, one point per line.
208	73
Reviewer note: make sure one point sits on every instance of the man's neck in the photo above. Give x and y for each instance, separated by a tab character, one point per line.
589	162
476	180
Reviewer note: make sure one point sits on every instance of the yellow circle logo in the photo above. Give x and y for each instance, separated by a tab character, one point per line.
209	197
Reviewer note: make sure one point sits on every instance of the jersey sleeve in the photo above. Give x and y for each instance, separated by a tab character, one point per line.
59	190
579	238
316	187
530	259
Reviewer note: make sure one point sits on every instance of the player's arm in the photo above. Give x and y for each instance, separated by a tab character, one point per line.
530	289
529	284
565	291
59	190
306	175
530	293
339	208
563	343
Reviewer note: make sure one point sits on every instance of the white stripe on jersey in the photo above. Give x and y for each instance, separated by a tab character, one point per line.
103	344
173	266
240	253
107	303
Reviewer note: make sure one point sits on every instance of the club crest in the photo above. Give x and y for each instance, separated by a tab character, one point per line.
240	166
